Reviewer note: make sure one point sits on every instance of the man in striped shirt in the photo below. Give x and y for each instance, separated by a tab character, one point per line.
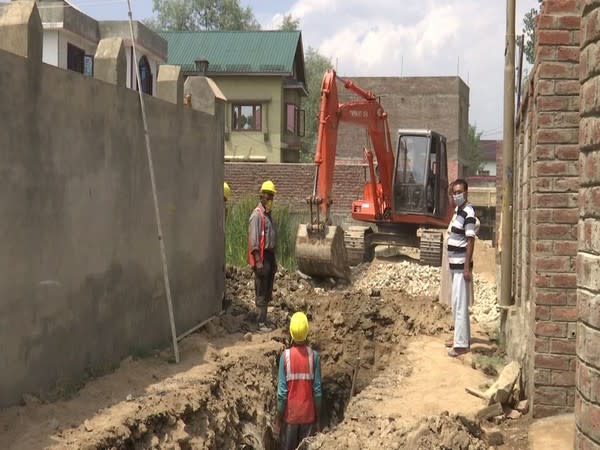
461	242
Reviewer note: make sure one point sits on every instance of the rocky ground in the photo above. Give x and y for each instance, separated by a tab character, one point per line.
222	395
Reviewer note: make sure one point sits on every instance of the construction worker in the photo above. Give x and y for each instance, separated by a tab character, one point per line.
298	387
225	302
262	239
226	194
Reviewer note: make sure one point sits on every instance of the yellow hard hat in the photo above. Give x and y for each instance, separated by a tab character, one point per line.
299	327
268	186
226	191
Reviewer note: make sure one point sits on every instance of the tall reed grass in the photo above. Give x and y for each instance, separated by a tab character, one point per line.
236	232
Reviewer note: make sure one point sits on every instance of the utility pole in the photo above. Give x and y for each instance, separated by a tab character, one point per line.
507	159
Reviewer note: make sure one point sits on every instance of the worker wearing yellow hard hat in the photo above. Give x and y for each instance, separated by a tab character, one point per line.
262	241
298	387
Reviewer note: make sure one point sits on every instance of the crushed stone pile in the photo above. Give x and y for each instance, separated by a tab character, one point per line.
415	279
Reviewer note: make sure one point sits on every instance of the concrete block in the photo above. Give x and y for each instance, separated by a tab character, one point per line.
169	84
21	29
205	95
110	64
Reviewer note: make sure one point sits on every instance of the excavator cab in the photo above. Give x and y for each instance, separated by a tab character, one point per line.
420	177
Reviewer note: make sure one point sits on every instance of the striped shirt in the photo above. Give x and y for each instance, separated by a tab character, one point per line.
462	226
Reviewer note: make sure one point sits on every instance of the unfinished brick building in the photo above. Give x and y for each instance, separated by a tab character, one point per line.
554	325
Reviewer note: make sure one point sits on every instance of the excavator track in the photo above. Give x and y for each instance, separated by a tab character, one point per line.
431	247
358	248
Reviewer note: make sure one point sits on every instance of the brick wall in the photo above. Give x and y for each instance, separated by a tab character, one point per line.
294	182
587	401
546	211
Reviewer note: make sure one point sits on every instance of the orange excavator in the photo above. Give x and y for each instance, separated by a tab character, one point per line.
405	198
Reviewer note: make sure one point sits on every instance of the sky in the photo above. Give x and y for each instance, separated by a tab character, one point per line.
391	38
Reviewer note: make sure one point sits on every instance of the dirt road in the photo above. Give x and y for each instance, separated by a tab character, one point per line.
222	395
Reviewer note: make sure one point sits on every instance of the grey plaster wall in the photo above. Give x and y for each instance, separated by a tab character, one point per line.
81	283
437	103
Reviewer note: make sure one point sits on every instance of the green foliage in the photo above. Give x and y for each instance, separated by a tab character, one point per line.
236	232
529	31
473	158
289	23
315	66
193	15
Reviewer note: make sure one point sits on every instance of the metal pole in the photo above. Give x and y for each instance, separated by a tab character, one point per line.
520	69
507	158
161	242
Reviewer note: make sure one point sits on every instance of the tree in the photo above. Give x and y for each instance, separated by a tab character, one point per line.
315	66
529	31
473	158
192	15
289	23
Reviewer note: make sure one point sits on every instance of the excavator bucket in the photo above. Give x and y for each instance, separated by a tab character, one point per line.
322	256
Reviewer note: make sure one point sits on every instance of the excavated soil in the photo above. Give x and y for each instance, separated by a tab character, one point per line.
222	395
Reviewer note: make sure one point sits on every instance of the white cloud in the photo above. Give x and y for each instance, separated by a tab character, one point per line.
416	38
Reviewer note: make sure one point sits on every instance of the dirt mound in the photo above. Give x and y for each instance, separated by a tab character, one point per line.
443	432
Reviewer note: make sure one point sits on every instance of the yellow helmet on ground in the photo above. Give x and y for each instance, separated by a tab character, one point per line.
268	186
226	191
299	327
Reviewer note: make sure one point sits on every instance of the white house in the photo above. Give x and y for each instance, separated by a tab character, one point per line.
71	38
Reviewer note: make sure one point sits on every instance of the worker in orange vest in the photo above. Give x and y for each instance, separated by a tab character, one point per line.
262	240
298	387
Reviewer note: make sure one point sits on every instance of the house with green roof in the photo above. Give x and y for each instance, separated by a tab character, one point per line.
261	73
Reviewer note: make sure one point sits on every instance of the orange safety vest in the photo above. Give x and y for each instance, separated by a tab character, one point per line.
261	241
299	375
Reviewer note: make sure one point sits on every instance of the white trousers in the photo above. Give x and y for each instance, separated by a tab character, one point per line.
461	291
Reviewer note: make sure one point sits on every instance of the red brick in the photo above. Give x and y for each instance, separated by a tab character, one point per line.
553	37
543	216
541	184
566	280
590	167
546	87
568	184
567	314
560	6
588	344
562	346
545	53
568	248
551	200
588	306
557	231
569	22
556	362
567	215
589	133
541	345
549	395
589	419
558	136
542	376
547	22
568	152
563	378
567	54
557	297
542	313
591	201
567	87
552	103
553	264
551	329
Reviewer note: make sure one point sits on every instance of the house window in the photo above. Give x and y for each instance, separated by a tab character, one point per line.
246	118
75	58
145	76
294	120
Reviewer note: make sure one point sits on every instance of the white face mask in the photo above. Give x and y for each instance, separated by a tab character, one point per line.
459	199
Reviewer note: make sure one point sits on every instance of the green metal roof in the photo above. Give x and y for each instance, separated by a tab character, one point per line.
234	51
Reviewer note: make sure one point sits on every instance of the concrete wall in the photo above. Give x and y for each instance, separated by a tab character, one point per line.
587	401
82	285
541	327
438	103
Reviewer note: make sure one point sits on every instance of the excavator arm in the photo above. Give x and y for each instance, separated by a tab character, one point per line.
320	249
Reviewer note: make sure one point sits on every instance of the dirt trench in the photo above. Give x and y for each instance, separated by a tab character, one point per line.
232	408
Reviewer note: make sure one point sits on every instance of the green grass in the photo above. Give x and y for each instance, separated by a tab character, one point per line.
236	232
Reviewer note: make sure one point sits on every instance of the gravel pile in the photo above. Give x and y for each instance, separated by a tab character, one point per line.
415	279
